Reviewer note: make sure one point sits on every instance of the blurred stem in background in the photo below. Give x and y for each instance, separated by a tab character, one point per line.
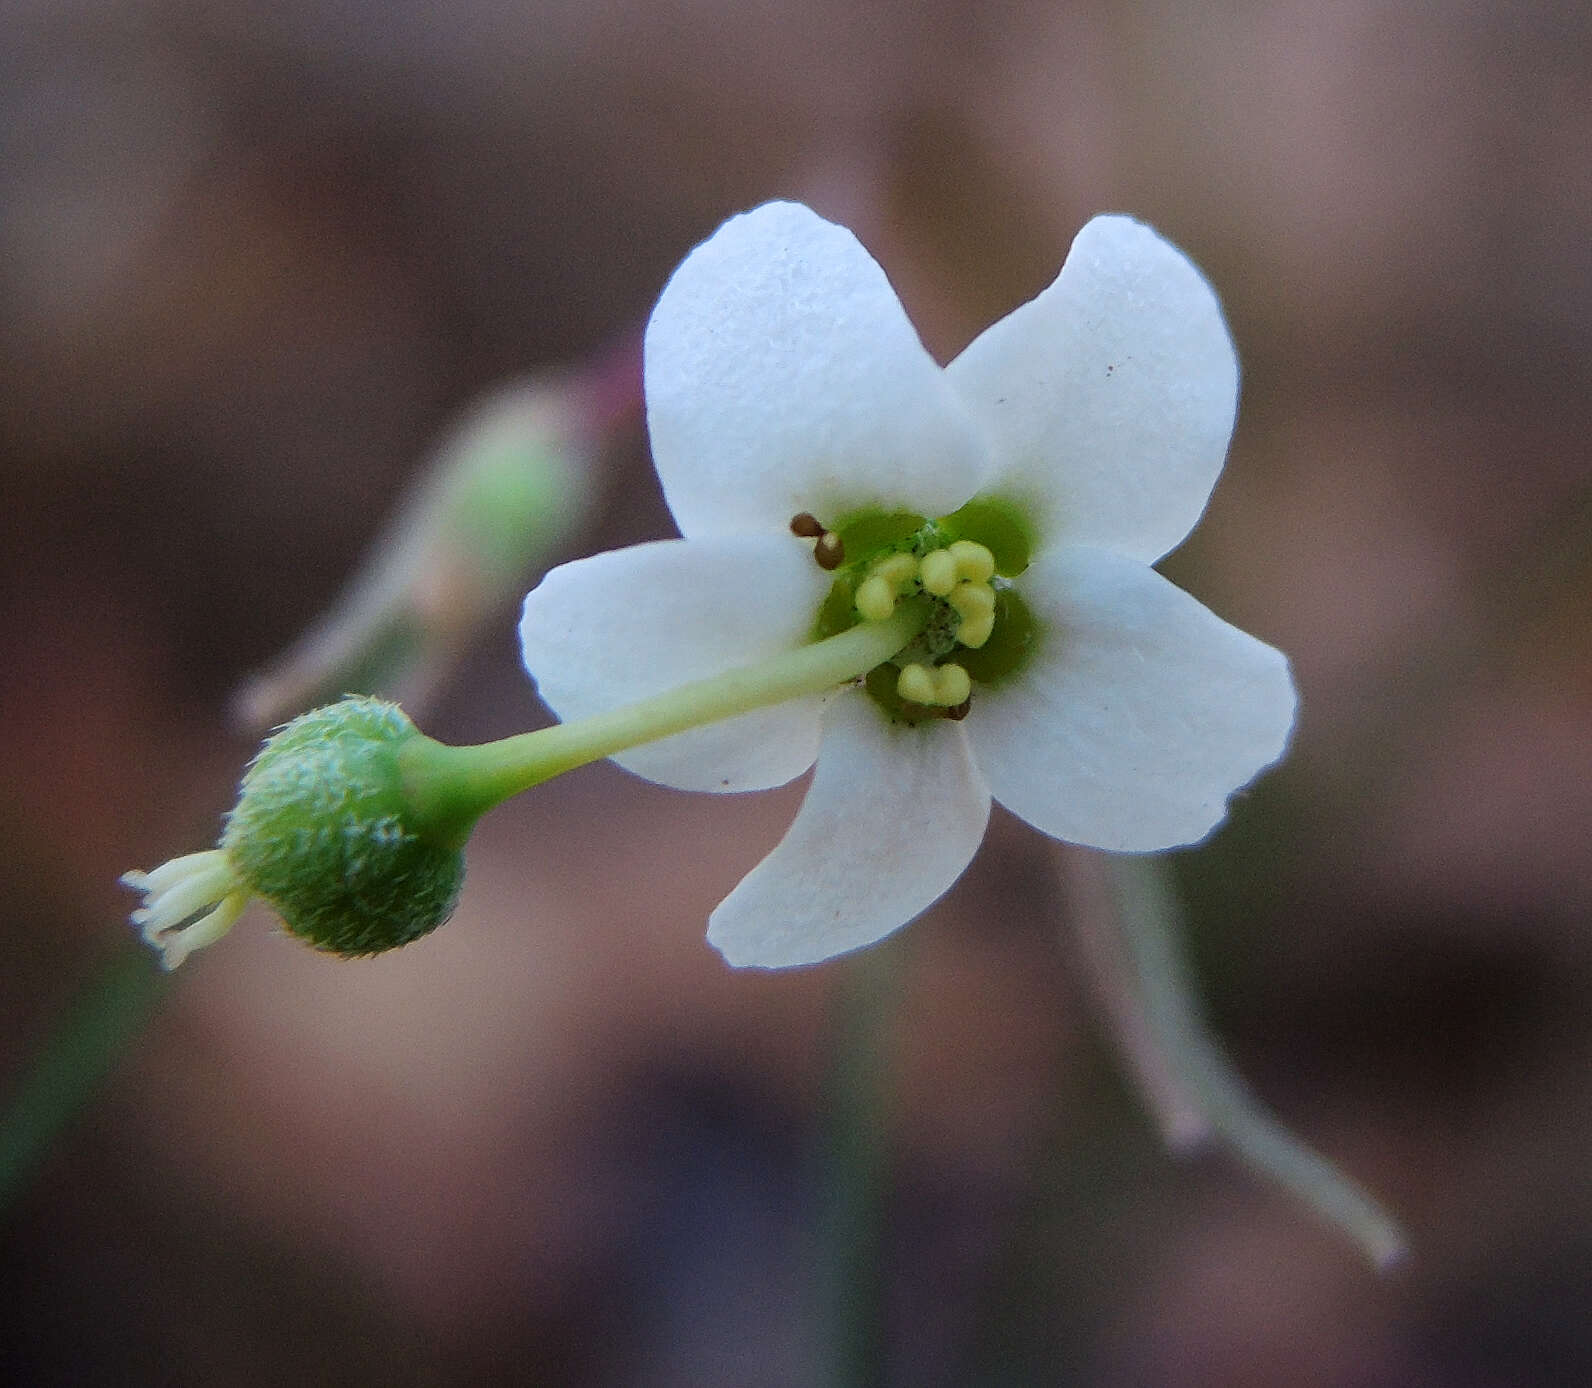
855	1170
506	491
1130	923
79	1055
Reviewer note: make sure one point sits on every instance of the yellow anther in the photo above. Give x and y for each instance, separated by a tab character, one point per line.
975	605
938	572
915	684
952	685
944	686
975	631
897	570
877	594
973	561
876	598
972	600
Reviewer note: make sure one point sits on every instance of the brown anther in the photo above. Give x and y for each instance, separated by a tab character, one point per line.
957	714
806	525
829	552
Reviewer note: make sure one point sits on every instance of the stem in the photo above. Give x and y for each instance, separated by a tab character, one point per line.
451	787
1113	973
856	1172
84	1046
1150	918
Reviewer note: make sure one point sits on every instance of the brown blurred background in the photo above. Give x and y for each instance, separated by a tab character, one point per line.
253	259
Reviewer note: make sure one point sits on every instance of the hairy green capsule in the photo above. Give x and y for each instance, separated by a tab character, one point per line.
323	833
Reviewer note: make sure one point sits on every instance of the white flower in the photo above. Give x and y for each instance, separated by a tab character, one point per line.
783	379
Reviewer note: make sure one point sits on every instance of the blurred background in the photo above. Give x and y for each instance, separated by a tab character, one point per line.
253	262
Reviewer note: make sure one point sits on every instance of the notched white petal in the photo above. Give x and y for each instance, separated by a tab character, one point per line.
1139	714
1109	399
617	627
893	816
783	376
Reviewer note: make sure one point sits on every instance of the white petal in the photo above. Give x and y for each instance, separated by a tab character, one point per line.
1109	399
1139	713
783	376
893	816
605	631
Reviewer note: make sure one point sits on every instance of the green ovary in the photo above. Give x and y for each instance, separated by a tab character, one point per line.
980	631
325	832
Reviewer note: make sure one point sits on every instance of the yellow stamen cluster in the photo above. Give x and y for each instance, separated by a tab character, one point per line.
959	575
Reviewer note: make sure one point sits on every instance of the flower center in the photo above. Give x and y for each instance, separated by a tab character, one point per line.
979	629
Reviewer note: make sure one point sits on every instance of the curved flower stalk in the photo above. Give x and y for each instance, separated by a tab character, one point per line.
826	473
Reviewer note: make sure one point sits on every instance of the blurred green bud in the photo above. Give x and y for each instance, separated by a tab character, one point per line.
324	832
506	489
